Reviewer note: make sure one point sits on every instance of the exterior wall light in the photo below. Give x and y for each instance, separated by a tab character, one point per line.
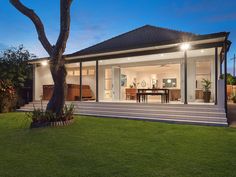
44	63
185	46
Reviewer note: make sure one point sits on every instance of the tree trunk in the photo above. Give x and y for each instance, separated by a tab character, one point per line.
57	61
57	101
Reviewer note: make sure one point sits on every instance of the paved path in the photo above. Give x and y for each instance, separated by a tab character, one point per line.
232	114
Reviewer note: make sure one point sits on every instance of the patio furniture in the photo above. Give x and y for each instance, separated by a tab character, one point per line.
175	94
73	92
142	94
130	93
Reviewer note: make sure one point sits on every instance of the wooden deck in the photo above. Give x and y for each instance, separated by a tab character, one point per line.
172	113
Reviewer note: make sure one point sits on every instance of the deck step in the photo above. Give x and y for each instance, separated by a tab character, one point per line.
174	113
181	121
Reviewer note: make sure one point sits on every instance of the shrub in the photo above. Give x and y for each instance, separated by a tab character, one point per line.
234	99
14	67
68	112
39	116
7	96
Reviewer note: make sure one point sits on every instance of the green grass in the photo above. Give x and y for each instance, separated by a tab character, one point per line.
111	147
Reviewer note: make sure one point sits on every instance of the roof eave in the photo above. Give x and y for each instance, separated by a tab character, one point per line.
168	43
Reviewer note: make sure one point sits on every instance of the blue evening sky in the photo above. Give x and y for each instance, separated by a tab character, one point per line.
93	21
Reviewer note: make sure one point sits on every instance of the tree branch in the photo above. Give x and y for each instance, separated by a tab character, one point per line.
37	22
64	27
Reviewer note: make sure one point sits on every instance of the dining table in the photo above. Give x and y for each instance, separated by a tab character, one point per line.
142	94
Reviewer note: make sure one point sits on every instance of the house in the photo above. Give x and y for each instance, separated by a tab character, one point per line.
146	70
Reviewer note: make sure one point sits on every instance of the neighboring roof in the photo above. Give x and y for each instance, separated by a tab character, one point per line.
144	36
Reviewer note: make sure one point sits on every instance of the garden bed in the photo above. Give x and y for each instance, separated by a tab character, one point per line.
51	124
40	118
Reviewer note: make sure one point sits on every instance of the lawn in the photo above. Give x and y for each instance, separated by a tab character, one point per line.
111	147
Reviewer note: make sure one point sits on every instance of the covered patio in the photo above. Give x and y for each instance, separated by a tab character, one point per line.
146	65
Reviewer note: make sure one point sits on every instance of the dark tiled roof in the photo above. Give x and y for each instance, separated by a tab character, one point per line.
141	37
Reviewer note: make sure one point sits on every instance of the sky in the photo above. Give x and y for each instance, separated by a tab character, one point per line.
94	21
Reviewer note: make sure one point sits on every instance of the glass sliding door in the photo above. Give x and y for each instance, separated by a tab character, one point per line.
120	79
115	83
73	81
201	76
89	81
111	83
108	84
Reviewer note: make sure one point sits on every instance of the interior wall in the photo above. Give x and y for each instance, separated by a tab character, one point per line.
169	74
42	77
73	79
91	81
130	78
149	74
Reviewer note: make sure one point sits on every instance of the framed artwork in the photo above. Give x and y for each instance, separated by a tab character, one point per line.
123	80
143	83
169	83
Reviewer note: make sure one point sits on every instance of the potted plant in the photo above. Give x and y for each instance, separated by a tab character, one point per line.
234	99
206	90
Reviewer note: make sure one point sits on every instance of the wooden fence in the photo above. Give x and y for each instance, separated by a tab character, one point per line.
231	91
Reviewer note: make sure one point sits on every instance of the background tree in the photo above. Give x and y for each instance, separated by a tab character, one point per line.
55	52
14	68
231	80
7	96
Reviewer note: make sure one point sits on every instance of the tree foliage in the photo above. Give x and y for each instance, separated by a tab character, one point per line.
14	66
231	80
7	96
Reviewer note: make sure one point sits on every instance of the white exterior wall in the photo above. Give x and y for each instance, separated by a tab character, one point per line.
221	93
213	78
182	88
191	80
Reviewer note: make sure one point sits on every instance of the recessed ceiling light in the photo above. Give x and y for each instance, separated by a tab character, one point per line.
162	55
100	61
129	59
202	51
